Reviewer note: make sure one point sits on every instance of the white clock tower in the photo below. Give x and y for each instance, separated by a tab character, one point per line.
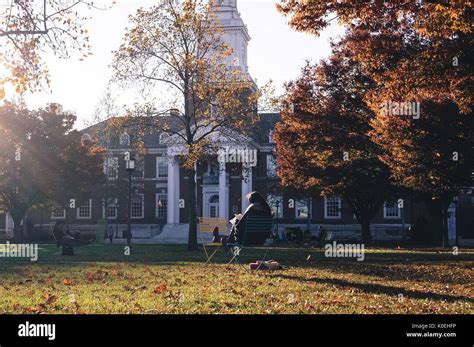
235	31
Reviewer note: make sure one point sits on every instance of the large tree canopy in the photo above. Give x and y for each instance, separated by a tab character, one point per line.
323	143
414	50
179	47
44	161
28	29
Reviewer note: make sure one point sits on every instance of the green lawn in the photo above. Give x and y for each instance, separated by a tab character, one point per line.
168	279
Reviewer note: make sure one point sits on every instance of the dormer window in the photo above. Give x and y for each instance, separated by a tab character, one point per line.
125	139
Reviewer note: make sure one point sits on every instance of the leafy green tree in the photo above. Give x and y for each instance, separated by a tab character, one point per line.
44	161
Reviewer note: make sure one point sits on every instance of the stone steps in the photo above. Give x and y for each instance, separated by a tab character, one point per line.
178	234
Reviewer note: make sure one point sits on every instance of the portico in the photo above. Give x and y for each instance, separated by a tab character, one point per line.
214	190
221	186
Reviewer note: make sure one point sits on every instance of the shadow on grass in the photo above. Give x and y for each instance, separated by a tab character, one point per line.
387	264
380	289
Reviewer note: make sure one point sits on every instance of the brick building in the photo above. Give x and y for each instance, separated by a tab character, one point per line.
159	206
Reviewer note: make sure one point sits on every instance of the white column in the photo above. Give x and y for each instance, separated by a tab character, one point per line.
9	224
246	185
173	191
223	200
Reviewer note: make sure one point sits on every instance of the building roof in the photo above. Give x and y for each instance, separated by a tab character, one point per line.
148	129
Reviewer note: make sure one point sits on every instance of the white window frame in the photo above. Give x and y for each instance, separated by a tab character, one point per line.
159	196
108	165
90	211
271	198
399	212
271	166
143	207
338	200
111	205
56	217
139	163
214	205
161	160
305	206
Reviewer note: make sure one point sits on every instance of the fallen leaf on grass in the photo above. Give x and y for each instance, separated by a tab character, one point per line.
160	288
146	269
67	282
34	309
90	277
50	299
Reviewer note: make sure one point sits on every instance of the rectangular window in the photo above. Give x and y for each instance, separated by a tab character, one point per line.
391	210
301	209
276	204
58	213
85	211
271	166
112	209
161	167
161	206
332	208
138	207
139	171
111	168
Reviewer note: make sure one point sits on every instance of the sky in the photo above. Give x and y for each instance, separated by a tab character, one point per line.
275	52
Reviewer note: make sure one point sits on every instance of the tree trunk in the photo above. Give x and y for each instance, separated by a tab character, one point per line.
25	234
17	228
366	235
435	208
192	205
445	230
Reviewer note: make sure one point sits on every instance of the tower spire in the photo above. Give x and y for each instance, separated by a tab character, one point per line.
235	31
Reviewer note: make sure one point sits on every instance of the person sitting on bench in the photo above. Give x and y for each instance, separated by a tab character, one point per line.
258	207
216	237
69	239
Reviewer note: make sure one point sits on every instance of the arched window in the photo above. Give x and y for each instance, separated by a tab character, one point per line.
125	139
